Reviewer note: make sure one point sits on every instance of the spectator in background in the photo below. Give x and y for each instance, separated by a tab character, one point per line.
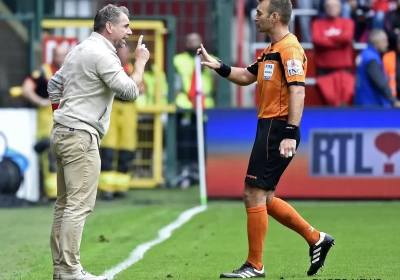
332	38
305	21
392	26
346	8
185	87
361	15
383	5
372	87
391	62
380	9
370	14
34	89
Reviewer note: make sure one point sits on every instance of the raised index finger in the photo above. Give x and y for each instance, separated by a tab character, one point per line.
140	41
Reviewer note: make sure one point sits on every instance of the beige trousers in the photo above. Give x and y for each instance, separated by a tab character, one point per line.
78	170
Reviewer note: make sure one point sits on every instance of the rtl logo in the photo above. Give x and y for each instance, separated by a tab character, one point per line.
362	153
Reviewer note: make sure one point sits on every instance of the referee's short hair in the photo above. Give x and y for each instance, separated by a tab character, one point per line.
282	7
110	13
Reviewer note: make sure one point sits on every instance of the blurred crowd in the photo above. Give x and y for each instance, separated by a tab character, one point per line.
365	15
333	35
345	74
333	32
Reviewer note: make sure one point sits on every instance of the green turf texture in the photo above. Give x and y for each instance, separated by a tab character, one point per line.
367	238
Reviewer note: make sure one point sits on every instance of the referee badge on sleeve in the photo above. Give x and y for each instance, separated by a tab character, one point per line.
268	71
294	67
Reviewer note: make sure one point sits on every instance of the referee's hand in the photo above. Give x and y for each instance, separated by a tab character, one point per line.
287	148
207	59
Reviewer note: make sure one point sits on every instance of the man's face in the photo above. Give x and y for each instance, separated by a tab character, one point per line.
193	42
120	31
262	18
383	44
333	8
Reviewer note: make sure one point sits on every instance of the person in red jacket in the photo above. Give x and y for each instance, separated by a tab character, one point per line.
383	5
332	38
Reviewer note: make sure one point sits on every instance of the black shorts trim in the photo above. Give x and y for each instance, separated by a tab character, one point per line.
266	165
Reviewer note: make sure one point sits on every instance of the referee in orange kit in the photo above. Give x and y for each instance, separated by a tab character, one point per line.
280	72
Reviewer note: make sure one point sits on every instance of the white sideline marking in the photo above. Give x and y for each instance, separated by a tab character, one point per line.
163	234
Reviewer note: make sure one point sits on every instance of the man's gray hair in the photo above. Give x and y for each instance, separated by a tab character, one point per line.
109	13
376	35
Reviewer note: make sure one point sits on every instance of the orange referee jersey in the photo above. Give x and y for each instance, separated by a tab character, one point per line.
280	65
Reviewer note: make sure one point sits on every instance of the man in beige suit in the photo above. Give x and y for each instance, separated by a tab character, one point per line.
81	93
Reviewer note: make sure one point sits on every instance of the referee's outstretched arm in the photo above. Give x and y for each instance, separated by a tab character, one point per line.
239	76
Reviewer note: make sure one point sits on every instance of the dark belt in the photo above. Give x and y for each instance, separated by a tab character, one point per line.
281	118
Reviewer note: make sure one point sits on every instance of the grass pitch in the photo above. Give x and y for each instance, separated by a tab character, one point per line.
367	236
